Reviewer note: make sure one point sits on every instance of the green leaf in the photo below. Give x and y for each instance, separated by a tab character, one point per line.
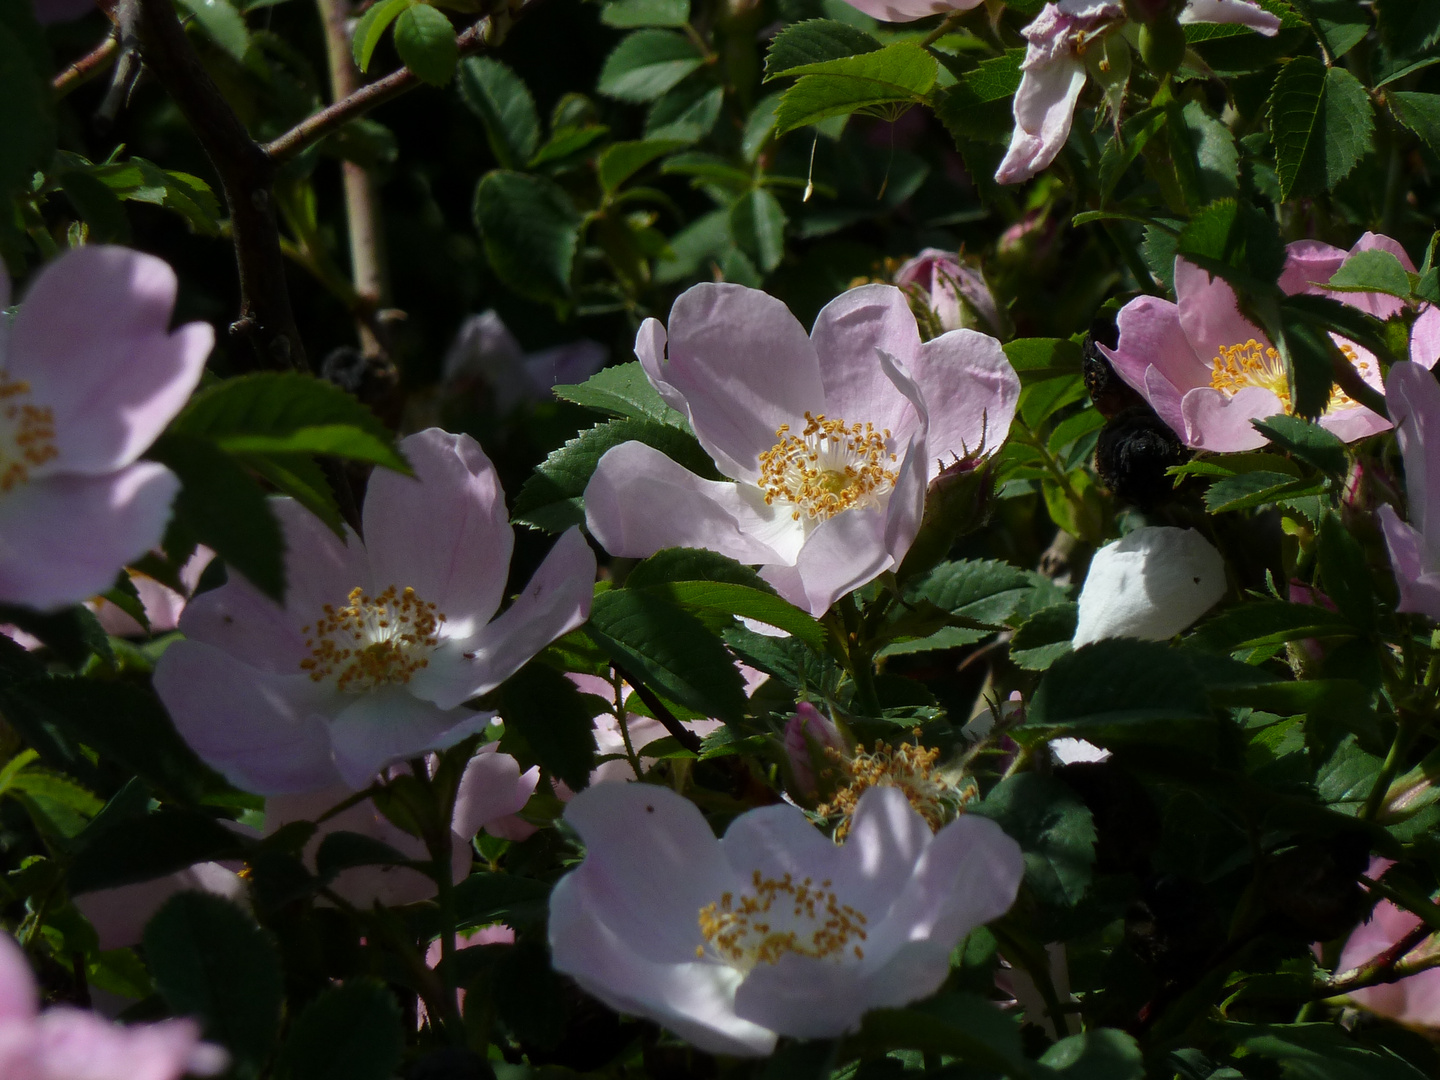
349	1032
554	719
1321	124
371	28
623	390
301	477
288	413
1118	681
757	223
531	231
113	853
688	112
503	102
341	850
990	593
1320	1052
1409	26
978	106
1249	490
1053	828
1372	271
1236	241
900	73
425	40
1035	359
222	23
731	599
484	898
1267	622
627	14
73	634
1345	573
1098	1054
1341	24
622	160
552	498
668	648
27	120
646	64
97	205
1418	112
225	509
1205	154
814	41
211	961
1045	636
1307	441
692	564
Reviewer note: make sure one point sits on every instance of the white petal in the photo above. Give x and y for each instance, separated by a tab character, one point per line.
1152	584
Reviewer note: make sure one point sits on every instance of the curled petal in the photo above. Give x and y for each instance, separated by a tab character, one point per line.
1231	11
1215	422
909	10
1044	109
491	787
388	725
970	391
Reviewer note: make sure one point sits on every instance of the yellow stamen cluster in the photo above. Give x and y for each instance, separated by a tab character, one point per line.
1253	364
778	916
31	431
909	767
828	468
372	640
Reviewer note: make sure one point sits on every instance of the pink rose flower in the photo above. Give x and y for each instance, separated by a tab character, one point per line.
64	1043
1208	371
910	10
486	352
656	920
162	604
956	292
1054	70
829	439
378	644
90	374
1414	400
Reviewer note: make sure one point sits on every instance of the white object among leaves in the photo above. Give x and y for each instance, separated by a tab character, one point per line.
1152	584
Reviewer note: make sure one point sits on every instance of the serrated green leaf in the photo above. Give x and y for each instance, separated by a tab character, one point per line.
757	222
989	592
1267	622
425	40
729	598
551	498
1236	241
503	103
978	105
211	961
659	642
1115	682
222	23
815	41
371	29
1306	440
1372	271
627	14
1321	125
554	719
687	112
349	1032
97	205
623	390
646	64
1418	112
1341	24
897	74
1045	636
1253	489
531	231
1054	829
1098	1054
622	160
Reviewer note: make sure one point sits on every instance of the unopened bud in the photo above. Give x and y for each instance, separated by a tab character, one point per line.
957	502
810	739
955	291
1162	45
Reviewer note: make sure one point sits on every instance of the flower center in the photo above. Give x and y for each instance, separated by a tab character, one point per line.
373	640
27	433
1254	364
909	767
778	916
827	468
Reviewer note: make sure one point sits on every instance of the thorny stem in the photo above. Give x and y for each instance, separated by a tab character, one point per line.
247	175
630	754
87	67
1389	966
683	735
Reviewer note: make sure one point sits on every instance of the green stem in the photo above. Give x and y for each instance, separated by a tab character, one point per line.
1388	770
944	28
859	658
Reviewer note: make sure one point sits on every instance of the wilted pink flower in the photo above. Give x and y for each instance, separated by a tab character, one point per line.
1413	396
90	373
1208	371
162	604
955	291
377	645
659	920
910	10
1054	70
63	1043
809	734
485	351
830	438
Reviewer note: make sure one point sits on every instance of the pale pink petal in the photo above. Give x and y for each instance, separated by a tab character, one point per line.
319	570
848	333
745	366
650	343
907	501
64	538
266	733
19	995
1353	423
1231	11
390	724
970	393
563	365
1373	241
556	600
1166	399
119	915
842	554
1309	266
1413	398
491	787
1151	337
1044	109
1210	315
1425	337
1419	583
93	340
910	10
443	532
695	999
1215	422
77	1045
632	480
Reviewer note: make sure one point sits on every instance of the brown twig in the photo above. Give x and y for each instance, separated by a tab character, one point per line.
81	71
315	127
1389	966
683	735
247	176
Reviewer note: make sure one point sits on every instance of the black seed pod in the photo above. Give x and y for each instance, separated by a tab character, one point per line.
1134	450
